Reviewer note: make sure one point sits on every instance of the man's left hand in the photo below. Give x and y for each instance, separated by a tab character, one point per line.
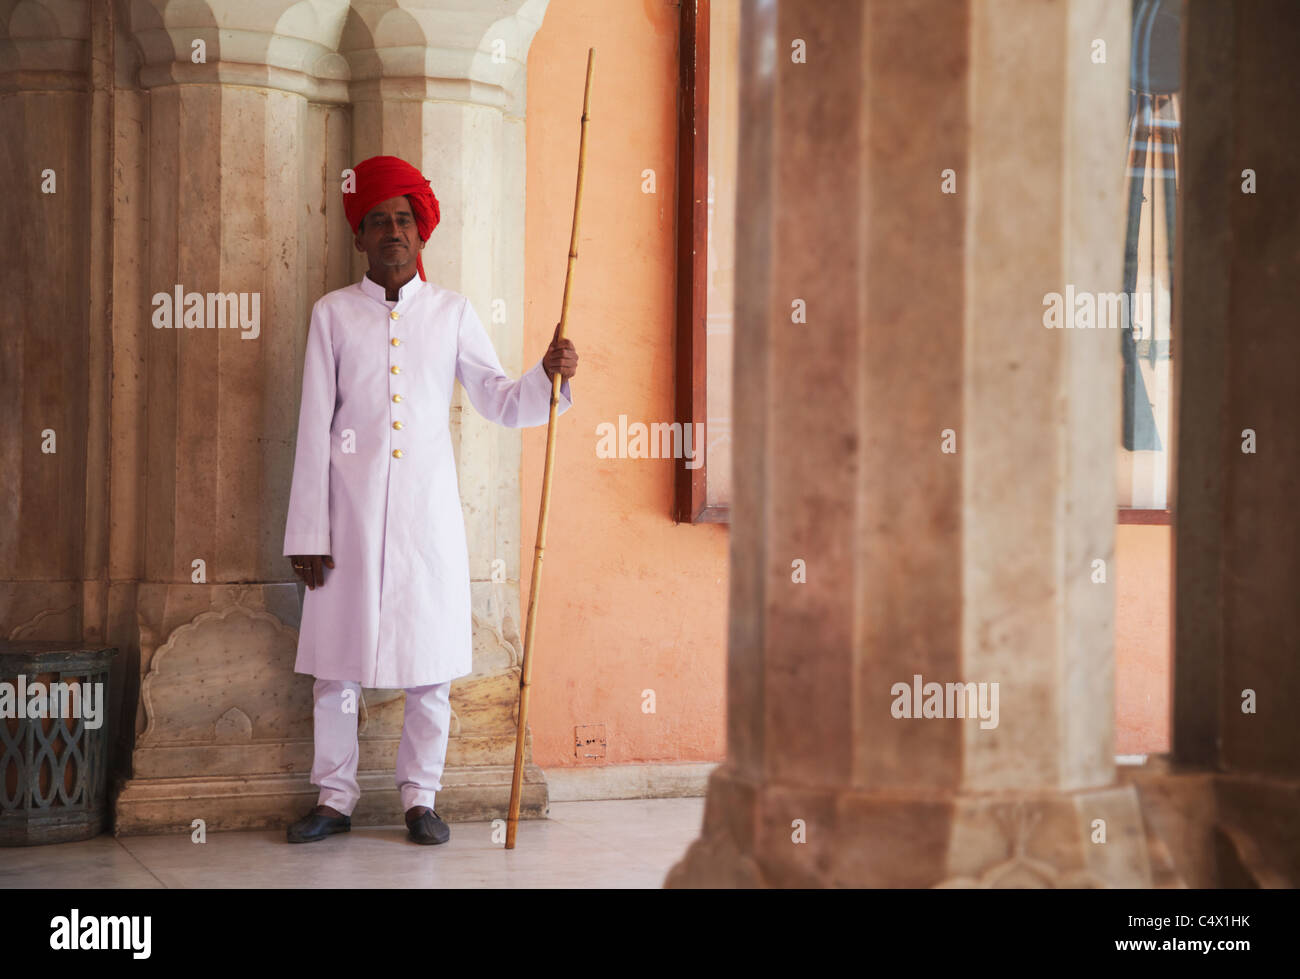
560	356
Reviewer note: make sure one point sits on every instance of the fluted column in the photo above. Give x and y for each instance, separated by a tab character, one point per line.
45	401
243	117
924	473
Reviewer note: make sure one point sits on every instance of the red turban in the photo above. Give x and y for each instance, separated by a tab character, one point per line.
382	177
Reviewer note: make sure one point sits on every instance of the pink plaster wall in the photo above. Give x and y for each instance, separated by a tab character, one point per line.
629	600
1142	639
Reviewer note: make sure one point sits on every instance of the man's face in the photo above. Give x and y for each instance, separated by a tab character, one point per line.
388	236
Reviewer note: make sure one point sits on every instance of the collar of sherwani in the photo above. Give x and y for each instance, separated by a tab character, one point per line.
375	291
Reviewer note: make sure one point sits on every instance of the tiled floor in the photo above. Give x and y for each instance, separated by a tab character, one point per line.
620	843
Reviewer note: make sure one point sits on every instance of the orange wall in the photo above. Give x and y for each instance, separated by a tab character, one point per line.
1142	639
629	601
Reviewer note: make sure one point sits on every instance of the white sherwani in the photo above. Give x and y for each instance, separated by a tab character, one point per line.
374	479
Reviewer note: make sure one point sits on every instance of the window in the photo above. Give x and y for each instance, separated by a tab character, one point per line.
708	129
1151	185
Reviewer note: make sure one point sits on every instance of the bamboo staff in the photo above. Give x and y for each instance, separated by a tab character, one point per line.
534	588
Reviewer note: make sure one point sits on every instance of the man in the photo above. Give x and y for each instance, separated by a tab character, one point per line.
375	529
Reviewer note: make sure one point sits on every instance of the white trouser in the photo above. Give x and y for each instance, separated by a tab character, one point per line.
420	754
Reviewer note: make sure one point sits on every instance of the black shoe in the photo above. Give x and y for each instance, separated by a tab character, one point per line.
424	826
317	825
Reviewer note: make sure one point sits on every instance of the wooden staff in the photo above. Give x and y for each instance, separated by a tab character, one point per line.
525	675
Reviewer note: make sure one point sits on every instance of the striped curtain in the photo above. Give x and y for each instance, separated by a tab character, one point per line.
1151	178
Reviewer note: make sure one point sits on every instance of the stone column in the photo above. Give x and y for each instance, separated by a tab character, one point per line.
242	120
45	398
63	366
924	473
443	87
1228	799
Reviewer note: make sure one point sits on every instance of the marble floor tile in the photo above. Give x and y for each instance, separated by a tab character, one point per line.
97	862
654	831
601	844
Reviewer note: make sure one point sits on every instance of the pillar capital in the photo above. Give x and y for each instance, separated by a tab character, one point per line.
290	45
449	52
45	46
336	51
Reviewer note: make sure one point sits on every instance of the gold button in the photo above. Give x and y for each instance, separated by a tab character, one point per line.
397	453
393	315
397	425
396	369
396	342
397	399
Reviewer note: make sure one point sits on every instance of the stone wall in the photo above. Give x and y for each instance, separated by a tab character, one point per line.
199	146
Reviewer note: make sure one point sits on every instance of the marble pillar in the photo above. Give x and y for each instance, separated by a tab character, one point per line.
924	473
240	111
57	112
45	396
244	116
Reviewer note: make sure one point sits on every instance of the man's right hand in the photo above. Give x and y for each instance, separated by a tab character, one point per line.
311	568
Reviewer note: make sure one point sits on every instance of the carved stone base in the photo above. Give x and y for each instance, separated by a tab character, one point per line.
1091	838
225	727
170	805
1214	829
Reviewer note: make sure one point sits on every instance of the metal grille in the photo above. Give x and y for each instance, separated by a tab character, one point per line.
52	768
